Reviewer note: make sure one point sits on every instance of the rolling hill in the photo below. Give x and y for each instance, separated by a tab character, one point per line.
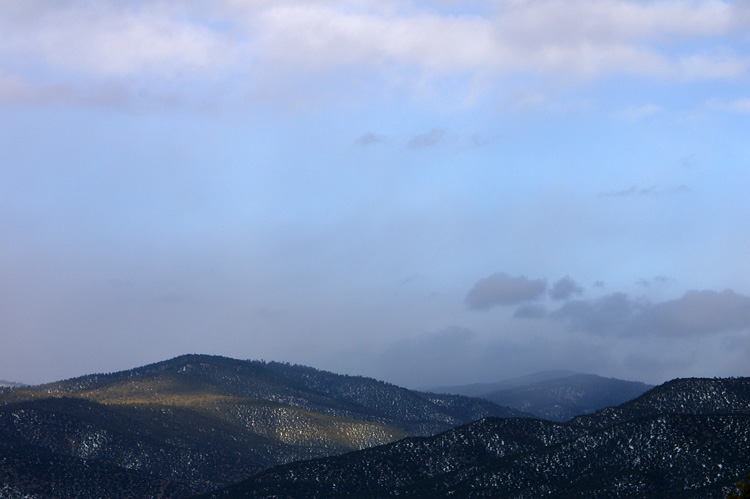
197	422
686	438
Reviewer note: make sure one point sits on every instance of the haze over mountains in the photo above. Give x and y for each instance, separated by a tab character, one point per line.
555	395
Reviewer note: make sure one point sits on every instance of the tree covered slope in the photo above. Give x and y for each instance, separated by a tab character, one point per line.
686	438
196	422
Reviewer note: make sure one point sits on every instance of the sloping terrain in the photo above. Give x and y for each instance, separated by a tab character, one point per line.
564	398
556	395
686	438
479	389
679	396
195	423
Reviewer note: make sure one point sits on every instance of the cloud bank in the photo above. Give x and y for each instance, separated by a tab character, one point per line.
695	313
614	335
252	46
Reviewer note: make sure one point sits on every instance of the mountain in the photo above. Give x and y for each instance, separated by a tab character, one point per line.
197	422
686	438
556	395
563	398
478	389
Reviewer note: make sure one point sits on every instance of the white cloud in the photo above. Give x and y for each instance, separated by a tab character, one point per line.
639	112
718	67
241	42
582	38
741	105
113	38
13	89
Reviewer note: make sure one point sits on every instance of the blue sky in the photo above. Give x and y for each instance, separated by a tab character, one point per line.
435	192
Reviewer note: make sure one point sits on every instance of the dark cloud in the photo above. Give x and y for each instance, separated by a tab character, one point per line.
564	289
530	311
370	138
431	138
502	289
608	314
695	313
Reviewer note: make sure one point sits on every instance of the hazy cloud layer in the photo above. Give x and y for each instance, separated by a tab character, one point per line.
502	289
614	335
695	313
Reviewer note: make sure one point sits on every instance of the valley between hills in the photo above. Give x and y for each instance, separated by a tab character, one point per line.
210	426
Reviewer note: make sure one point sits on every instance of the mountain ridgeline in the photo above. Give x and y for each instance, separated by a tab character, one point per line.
686	438
196	423
208	426
9	384
555	395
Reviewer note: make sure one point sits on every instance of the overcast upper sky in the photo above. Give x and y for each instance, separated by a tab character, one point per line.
427	192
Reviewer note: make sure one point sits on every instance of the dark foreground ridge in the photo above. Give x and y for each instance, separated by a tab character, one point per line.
686	438
196	423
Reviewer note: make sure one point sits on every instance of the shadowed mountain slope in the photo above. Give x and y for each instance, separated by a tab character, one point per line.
479	389
198	422
563	398
556	395
686	438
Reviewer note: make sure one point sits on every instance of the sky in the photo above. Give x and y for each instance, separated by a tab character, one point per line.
430	192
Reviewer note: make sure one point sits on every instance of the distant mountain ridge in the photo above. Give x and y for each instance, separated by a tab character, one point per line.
686	438
477	389
10	384
556	395
198	422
